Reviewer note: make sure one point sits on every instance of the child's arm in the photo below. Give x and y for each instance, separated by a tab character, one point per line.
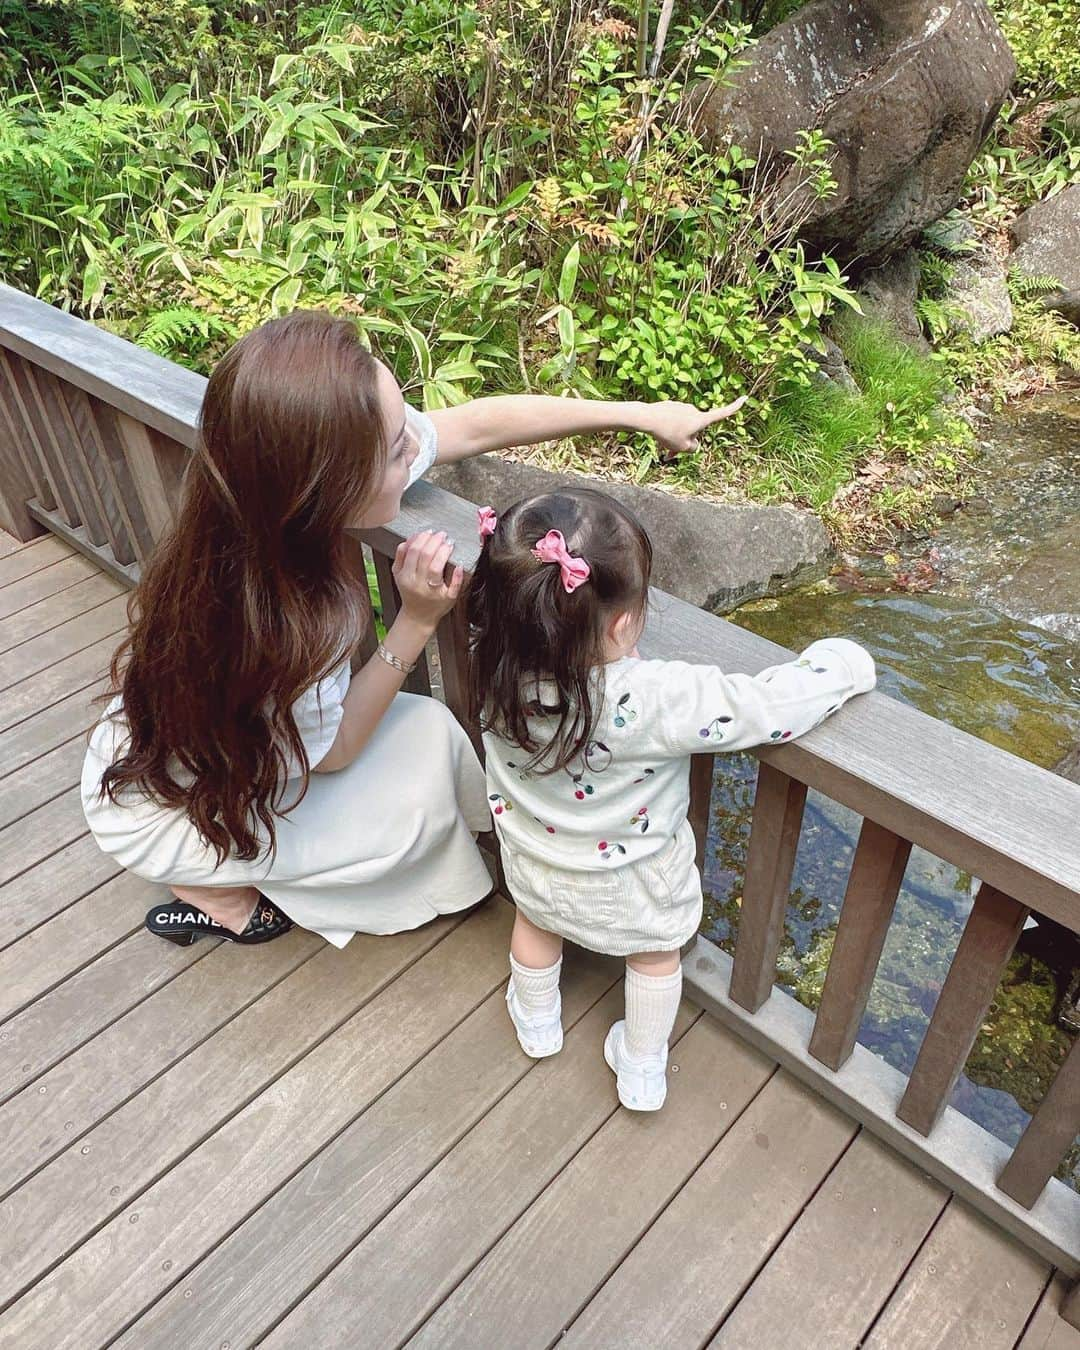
702	709
523	419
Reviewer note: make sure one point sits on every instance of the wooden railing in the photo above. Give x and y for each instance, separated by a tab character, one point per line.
93	436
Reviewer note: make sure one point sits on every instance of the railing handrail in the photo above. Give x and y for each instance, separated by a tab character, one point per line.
990	813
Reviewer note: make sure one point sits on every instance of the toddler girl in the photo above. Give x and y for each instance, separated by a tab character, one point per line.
588	761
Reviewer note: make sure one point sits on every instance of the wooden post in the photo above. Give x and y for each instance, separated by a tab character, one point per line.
1070	1309
987	942
701	785
1049	1133
774	838
877	872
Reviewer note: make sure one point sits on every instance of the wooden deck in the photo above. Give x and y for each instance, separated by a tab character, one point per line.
296	1146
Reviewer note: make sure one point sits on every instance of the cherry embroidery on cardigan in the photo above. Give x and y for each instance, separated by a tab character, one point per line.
640	820
779	735
712	732
624	712
550	828
817	670
608	851
501	803
645	775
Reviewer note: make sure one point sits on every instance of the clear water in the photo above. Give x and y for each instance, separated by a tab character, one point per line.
993	649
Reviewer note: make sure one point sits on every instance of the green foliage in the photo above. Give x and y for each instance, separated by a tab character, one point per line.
1043	37
817	432
490	190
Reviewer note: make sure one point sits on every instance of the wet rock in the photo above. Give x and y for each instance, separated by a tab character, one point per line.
832	368
709	553
946	505
906	92
978	296
1067	304
953	234
1069	766
1065	117
1047	239
888	293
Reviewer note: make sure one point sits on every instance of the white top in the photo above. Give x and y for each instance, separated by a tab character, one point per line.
630	791
319	711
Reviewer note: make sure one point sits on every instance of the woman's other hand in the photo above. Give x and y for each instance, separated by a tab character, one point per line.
677	426
419	570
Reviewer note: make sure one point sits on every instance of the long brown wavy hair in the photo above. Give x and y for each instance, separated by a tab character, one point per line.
524	628
253	595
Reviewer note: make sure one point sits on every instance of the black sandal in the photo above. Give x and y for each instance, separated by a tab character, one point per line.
183	924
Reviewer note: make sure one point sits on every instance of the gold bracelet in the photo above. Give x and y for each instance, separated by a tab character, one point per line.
388	656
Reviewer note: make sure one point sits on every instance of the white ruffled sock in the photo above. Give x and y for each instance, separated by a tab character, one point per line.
537	991
652	1003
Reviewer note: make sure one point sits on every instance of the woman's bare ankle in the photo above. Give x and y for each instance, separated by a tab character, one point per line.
230	906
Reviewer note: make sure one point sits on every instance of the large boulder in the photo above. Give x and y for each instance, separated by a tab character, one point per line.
709	553
978	295
888	293
906	90
1047	239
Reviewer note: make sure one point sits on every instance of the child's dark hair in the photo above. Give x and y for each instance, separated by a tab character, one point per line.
526	628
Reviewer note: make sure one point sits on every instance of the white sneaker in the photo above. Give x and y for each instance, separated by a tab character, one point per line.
539	1035
642	1083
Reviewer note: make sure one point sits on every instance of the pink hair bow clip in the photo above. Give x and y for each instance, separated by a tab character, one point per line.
486	520
552	549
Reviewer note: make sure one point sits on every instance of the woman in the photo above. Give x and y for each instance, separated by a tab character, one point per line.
240	764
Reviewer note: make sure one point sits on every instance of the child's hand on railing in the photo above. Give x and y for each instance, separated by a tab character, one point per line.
419	570
677	426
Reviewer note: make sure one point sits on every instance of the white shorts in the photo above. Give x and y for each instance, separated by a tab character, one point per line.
649	906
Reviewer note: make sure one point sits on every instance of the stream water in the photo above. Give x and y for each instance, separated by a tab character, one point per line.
980	626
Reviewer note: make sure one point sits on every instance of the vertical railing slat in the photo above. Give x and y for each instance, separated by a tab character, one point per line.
119	472
701	790
21	478
368	639
1048	1136
58	426
87	444
877	872
147	474
56	496
774	838
986	944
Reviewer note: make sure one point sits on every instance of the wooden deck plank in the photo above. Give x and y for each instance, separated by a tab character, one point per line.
582	1226
844	1256
76	672
971	1287
461	1208
36	622
216	983
38	653
43	732
1047	1330
50	887
317	1217
40	585
703	1251
39	782
119	1272
74	1012
32	557
51	953
42	832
